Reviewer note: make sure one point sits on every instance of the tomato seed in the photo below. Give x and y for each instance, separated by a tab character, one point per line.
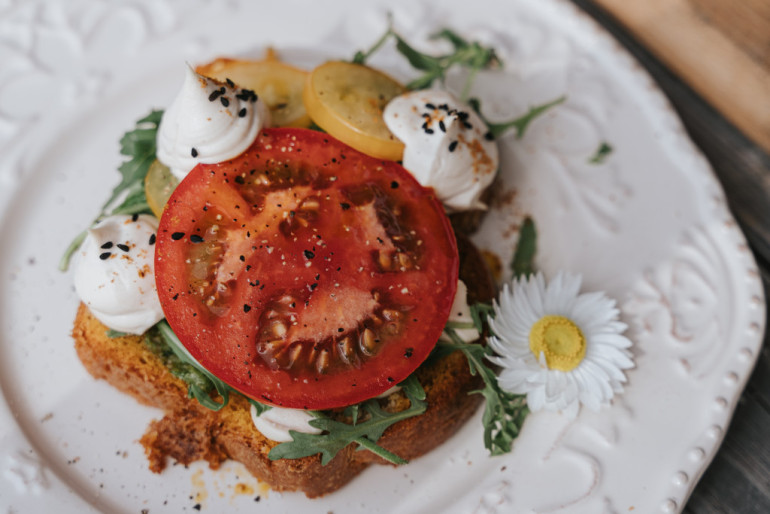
322	362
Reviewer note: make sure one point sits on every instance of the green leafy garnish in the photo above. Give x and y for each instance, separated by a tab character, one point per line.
522	264
199	380
471	55
260	407
337	435
601	153
360	57
112	334
139	145
504	412
479	313
521	123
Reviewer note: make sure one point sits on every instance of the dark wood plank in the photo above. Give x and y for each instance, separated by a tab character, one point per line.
739	478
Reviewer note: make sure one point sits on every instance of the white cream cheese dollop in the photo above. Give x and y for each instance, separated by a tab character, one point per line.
445	146
114	273
461	313
276	422
208	122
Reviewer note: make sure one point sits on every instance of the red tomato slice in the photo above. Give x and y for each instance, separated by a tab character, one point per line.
304	273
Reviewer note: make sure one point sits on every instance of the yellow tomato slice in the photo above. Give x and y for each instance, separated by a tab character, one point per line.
276	83
347	100
159	183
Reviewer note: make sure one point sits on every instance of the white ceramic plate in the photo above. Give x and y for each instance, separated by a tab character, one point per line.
649	226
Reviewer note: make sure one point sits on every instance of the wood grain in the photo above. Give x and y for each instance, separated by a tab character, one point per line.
721	48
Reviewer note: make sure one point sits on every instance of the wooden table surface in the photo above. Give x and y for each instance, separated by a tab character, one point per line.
738	480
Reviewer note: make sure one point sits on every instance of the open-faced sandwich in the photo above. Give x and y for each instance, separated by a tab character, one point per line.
283	288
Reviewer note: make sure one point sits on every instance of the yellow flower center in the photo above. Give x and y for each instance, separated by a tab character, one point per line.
560	340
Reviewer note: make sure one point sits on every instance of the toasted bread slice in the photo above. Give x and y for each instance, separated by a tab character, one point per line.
190	432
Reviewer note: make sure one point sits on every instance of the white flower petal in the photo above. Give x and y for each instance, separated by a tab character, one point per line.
598	377
536	399
562	293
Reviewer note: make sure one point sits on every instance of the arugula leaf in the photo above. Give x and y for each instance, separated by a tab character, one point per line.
162	341
260	407
458	42
521	123
199	380
361	57
337	435
601	153
504	412
522	264
139	145
479	313
470	55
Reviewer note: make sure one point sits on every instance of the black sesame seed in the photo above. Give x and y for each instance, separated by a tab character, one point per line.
489	136
394	185
107	245
452	146
430	106
230	82
345	206
242	113
313	286
224	101
105	256
429	131
134	217
408	352
214	95
123	247
467	125
194	152
340	329
441	125
175	297
391	379
444	107
246	307
242	258
176	236
152	239
195	238
240	180
309	254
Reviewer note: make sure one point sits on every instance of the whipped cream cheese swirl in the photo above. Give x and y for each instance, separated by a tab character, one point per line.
276	422
114	273
208	122
461	313
446	146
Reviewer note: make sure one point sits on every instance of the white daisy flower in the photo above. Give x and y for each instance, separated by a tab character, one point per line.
557	346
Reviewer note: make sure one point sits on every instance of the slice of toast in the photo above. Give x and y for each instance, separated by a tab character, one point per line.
190	432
